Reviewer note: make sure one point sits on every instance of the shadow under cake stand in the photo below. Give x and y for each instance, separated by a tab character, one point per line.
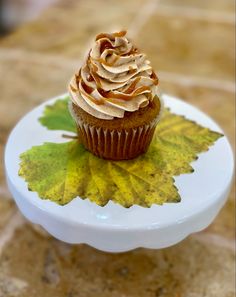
114	228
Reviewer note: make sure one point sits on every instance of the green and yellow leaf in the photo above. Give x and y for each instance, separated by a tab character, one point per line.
57	116
61	172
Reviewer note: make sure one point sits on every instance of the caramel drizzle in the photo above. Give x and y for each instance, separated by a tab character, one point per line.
102	61
99	101
106	44
93	73
110	96
73	89
133	50
126	97
87	89
90	78
116	34
132	86
154	77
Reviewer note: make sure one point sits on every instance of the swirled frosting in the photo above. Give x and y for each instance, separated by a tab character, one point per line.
115	78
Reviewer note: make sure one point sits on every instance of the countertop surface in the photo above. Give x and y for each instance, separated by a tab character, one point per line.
191	46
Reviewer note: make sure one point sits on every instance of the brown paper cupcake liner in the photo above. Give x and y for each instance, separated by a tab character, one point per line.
113	144
119	143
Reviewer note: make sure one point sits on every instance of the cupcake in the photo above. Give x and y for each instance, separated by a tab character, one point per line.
114	99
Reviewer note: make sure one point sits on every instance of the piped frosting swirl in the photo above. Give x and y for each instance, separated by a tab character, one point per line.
115	78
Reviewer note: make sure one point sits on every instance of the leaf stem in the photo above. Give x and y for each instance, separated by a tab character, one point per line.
69	136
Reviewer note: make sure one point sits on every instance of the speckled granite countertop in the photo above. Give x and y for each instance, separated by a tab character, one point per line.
191	45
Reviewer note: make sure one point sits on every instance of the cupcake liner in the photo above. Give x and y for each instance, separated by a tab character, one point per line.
114	144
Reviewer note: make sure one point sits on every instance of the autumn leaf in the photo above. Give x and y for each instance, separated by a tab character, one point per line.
57	117
61	172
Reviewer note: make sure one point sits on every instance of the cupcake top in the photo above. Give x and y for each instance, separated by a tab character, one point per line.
115	78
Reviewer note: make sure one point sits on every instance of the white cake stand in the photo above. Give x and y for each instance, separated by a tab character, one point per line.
114	228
